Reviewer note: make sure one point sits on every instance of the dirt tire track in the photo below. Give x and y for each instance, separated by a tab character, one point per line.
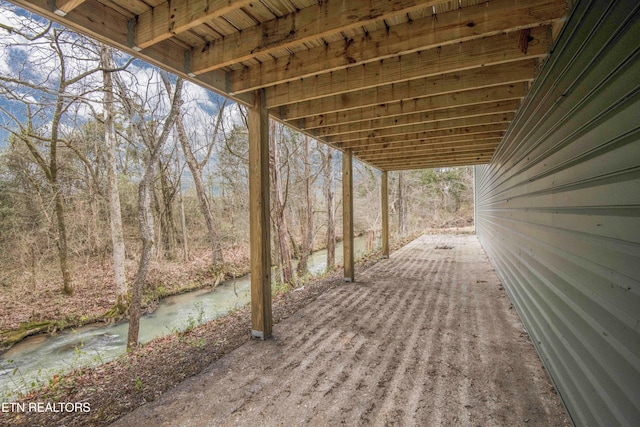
425	338
433	298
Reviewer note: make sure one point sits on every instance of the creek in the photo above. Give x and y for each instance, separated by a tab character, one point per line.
36	359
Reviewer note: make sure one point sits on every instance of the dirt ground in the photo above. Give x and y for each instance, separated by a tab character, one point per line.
426	338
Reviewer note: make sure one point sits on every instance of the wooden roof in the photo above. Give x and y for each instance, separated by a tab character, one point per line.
405	84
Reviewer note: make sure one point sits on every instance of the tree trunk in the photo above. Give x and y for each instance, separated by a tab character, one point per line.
371	236
147	235
183	224
168	227
115	212
158	249
331	222
145	216
205	207
51	172
402	205
280	224
307	220
63	246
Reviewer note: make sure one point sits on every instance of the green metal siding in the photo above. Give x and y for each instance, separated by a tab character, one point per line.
558	212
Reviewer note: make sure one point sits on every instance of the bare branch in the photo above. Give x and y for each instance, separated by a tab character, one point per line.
31	38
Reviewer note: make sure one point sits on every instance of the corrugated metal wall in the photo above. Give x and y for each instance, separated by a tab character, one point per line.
558	212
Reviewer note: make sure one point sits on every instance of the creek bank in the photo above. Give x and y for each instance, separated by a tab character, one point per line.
155	290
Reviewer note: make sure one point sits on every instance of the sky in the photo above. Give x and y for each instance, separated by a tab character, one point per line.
31	61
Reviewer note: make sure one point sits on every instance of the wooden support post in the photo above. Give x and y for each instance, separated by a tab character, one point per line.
384	192
259	219
347	214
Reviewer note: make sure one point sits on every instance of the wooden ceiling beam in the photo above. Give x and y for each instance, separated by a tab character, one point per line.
497	129
423	162
448	114
432	157
477	156
433	162
476	96
492	50
448	141
488	119
311	23
492	75
421	135
469	146
169	18
400	142
444	164
464	24
419	151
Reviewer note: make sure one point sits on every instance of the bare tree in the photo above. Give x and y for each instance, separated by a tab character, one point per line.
307	211
331	221
183	219
279	203
196	169
146	130
115	214
163	202
402	204
233	168
58	90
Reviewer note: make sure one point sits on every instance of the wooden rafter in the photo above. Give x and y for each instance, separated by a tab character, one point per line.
478	157
474	78
489	119
498	49
309	24
434	162
433	116
443	141
491	18
169	18
493	129
427	150
476	96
